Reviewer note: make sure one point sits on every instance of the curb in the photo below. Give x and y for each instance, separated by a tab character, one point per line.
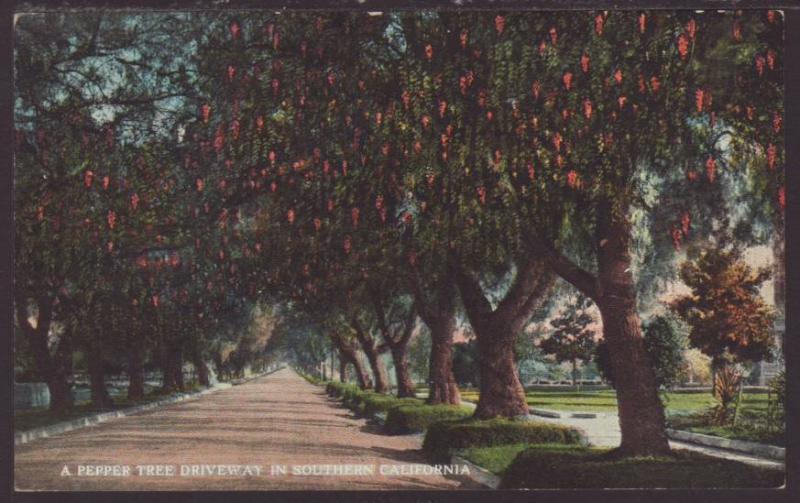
23	437
477	473
754	448
558	415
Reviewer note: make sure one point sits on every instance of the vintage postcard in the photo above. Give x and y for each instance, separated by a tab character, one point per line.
371	248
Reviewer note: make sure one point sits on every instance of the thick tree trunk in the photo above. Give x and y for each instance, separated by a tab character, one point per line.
100	398
61	399
405	385
202	371
172	367
364	381
348	354
501	393
370	349
136	373
442	383
378	370
54	369
641	413
58	383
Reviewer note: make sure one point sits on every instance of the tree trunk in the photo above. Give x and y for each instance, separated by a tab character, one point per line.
405	385
54	369
136	373
501	393
779	268
348	354
368	345
61	399
101	400
364	381
202	370
58	383
172	364
574	373
378	370
342	369
641	413
442	383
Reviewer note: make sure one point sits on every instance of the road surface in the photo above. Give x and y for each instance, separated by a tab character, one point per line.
233	439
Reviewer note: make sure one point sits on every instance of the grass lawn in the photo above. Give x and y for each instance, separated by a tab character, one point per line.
606	400
495	459
559	466
36	418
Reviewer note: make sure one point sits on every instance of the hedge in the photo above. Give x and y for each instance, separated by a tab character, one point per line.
546	467
406	419
337	389
373	403
443	437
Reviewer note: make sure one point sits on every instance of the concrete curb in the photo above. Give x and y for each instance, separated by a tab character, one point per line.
753	448
23	437
536	411
477	473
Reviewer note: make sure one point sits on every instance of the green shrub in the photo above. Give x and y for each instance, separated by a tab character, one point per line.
337	389
552	467
373	403
417	418
441	438
312	379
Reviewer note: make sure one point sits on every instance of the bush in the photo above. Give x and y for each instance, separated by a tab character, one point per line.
443	437
552	467
665	344
312	379
373	403
417	418
337	389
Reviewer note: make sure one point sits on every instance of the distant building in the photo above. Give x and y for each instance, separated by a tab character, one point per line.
768	370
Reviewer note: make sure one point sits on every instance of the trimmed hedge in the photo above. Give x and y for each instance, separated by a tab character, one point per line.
406	419
367	402
312	379
373	403
337	389
551	467
443	437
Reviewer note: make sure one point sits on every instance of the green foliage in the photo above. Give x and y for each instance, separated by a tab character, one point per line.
338	389
417	418
442	438
374	403
754	425
665	344
777	388
544	467
496	458
572	339
727	317
466	363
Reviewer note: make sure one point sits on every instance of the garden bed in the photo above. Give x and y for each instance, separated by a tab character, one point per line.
564	467
443	438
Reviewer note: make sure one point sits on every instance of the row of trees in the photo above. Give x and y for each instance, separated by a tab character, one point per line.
367	170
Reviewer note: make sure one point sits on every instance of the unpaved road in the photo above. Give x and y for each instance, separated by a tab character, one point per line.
279	419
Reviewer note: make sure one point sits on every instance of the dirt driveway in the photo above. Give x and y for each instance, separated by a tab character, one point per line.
234	439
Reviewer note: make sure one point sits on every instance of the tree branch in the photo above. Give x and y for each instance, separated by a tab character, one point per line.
571	272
